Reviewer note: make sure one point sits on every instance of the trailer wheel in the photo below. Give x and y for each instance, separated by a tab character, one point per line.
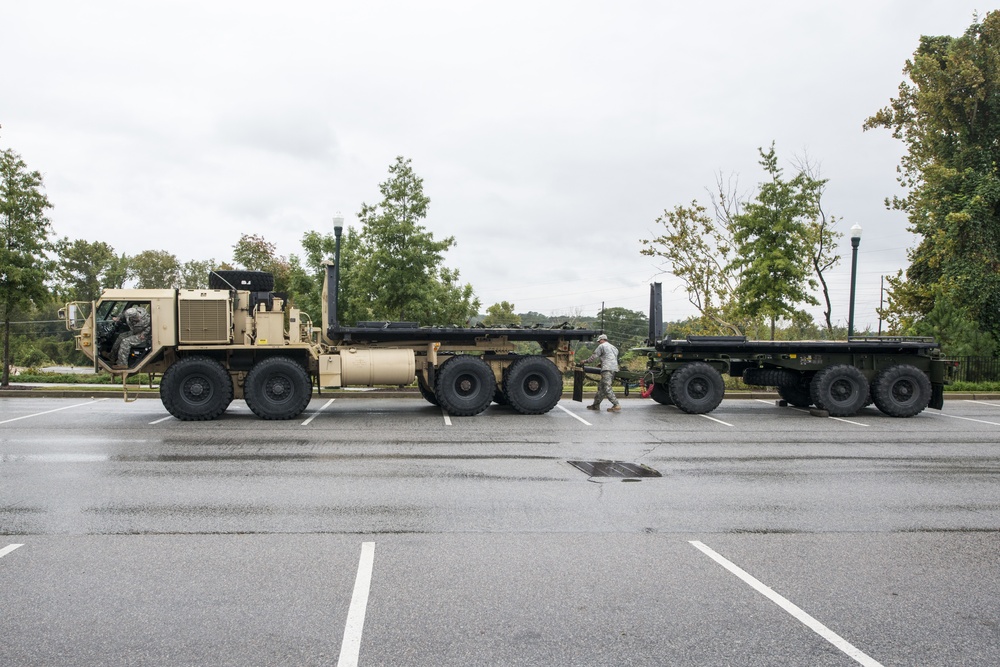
499	397
425	391
901	391
770	377
277	388
661	394
533	385
841	390
464	385
796	395
196	389
696	388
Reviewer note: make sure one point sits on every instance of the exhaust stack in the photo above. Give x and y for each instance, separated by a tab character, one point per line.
655	313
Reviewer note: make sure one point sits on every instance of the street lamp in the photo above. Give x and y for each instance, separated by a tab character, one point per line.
338	229
855	242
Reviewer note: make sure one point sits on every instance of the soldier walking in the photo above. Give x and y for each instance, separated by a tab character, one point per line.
608	354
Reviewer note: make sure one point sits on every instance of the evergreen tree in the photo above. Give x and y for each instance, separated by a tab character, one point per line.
773	239
398	268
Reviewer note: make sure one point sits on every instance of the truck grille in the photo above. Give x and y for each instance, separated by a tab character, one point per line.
204	321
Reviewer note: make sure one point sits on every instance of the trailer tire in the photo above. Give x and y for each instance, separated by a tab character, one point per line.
277	388
464	385
533	385
797	395
661	394
196	389
696	388
901	391
499	397
770	377
425	391
841	390
252	281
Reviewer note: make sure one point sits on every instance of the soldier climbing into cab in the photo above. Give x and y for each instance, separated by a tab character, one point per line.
139	328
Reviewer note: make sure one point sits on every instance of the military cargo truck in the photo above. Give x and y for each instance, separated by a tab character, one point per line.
241	340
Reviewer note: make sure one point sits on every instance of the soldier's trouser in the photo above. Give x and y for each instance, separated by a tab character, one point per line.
604	389
125	345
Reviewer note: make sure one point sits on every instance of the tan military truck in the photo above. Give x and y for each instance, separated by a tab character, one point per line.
241	340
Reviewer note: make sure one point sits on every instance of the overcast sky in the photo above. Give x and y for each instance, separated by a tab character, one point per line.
550	134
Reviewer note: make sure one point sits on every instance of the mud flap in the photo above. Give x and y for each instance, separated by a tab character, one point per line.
937	396
578	376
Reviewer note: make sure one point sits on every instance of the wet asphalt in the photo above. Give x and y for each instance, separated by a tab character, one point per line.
150	541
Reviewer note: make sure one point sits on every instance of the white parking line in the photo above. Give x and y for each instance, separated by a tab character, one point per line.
7	549
350	648
838	419
716	420
161	419
804	618
968	419
67	407
992	405
847	421
447	417
316	414
574	416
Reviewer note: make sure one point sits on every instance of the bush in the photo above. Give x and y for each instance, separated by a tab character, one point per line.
35	375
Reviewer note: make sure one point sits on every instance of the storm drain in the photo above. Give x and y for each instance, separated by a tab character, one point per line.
614	469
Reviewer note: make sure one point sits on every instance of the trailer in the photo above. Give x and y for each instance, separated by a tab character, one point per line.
901	375
239	339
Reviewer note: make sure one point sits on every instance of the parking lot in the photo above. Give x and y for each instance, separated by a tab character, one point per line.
384	532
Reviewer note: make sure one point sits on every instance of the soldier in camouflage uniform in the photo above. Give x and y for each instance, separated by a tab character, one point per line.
139	324
608	354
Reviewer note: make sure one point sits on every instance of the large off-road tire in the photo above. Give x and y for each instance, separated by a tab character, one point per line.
901	391
464	385
425	391
797	395
196	389
277	388
696	388
770	377
661	394
533	385
841	390
251	281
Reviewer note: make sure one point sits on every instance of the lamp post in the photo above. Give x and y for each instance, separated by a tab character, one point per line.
855	242
338	229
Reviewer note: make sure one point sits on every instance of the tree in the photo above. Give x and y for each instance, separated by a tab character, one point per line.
255	253
948	117
822	239
155	269
194	273
752	259
500	314
958	333
24	241
698	249
626	328
772	245
85	269
305	275
397	269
